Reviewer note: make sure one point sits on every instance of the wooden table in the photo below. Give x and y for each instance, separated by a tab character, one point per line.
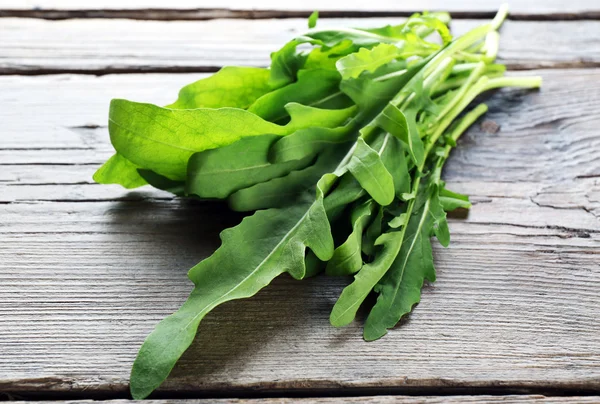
86	270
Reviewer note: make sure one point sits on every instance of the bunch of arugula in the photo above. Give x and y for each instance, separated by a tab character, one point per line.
349	129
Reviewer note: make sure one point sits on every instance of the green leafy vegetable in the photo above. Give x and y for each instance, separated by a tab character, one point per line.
343	138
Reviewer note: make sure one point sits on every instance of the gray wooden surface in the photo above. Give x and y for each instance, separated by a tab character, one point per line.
510	399
31	46
276	8
86	270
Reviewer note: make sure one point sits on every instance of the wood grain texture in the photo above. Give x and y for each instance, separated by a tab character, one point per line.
509	399
32	46
546	136
87	270
275	8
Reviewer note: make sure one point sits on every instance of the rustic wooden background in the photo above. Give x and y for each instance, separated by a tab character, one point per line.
86	271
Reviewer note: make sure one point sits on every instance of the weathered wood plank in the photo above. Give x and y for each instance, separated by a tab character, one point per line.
32	46
545	136
509	399
83	282
274	8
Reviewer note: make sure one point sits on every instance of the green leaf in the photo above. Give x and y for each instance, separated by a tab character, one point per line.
263	246
368	60
307	142
218	173
452	200
421	25
163	140
320	58
326	94
235	87
398	221
347	258
400	288
373	232
285	64
354	294
160	182
393	157
119	170
331	37
312	19
280	191
404	128
374	91
368	169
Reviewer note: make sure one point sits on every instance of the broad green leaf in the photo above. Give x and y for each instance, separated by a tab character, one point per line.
286	62
368	60
354	294
307	142
163	140
119	170
404	128
217	173
320	58
347	258
160	182
280	191
374	91
271	106
392	155
235	87
400	288
369	94
263	246
368	169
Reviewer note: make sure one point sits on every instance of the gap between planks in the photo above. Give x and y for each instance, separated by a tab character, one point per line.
364	399
442	394
199	14
575	65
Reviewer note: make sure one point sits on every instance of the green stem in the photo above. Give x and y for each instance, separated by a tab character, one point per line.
456	46
475	74
500	17
518	82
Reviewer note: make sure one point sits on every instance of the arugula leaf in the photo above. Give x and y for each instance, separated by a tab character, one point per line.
367	60
232	86
400	287
160	182
398	124
312	19
271	106
262	247
370	172
119	170
347	258
353	295
280	191
218	173
163	140
372	234
451	200
350	130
